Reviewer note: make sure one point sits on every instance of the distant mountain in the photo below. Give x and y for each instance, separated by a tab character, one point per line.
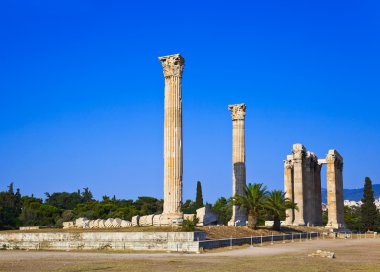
353	194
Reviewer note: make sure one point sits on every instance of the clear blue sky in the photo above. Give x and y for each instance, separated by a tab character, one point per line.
82	91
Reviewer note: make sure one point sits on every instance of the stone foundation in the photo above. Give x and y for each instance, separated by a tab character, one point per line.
155	241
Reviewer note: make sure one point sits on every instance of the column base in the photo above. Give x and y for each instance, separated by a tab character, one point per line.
237	222
336	226
173	219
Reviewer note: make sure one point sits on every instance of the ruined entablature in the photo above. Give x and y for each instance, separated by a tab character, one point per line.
237	111
173	65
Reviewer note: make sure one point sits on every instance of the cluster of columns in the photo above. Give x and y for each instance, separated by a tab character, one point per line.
302	183
302	168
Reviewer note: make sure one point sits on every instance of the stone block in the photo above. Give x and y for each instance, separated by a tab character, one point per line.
81	222
126	224
102	224
206	216
68	225
108	223
116	223
135	221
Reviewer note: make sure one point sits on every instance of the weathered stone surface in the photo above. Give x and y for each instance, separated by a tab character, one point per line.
335	198
97	223
302	183
206	216
146	220
126	224
68	225
135	220
81	223
163	241
108	223
173	162
323	254
30	228
238	112
102	223
116	223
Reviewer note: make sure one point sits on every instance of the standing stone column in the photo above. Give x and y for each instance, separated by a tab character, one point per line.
335	199
239	215
317	194
173	67
299	174
289	188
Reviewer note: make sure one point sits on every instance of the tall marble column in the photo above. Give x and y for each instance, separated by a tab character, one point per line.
173	165
299	176
239	215
289	188
317	194
335	199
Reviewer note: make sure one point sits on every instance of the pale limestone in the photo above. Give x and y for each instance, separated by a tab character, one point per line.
135	220
173	66
238	111
206	216
116	223
302	183
335	198
108	223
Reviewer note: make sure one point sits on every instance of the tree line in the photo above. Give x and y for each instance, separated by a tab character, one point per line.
17	210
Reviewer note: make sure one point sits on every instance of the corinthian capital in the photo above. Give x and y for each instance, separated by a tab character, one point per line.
173	65
237	111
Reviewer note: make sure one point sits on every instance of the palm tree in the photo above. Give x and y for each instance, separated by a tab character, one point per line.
253	200
276	205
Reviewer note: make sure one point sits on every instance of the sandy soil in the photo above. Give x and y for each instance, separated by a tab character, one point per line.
351	255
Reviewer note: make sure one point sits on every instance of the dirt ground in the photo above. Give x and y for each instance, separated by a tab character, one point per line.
351	255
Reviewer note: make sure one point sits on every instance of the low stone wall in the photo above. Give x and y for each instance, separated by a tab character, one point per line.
161	241
155	241
210	244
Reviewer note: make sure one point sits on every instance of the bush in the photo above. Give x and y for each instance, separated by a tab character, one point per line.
190	225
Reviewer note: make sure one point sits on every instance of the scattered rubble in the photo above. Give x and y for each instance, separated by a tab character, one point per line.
323	254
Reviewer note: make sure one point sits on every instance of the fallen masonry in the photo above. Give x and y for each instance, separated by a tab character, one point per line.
323	254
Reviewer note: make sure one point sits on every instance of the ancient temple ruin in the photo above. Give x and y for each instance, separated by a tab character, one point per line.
303	186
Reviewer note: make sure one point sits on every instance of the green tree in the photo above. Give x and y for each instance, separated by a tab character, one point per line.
277	204
369	212
352	218
64	200
189	207
10	208
199	196
253	200
223	209
87	195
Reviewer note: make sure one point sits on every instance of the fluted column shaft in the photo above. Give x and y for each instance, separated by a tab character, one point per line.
239	215
173	155
317	195
288	188
299	177
335	200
